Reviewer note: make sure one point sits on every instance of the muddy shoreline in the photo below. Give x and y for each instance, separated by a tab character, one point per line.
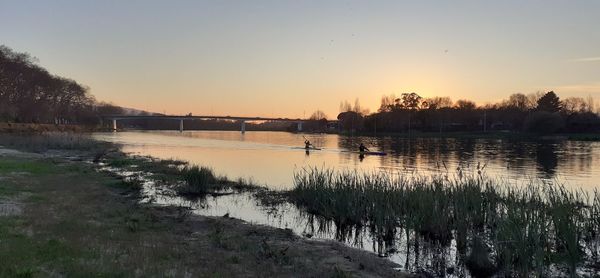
228	246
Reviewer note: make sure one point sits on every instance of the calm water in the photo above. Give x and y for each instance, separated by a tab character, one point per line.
270	158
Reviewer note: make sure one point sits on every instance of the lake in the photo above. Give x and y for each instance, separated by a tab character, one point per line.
270	158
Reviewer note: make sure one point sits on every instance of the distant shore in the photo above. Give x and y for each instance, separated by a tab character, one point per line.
40	128
36	128
480	135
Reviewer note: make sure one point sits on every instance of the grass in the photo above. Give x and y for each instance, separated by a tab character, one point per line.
77	222
190	180
583	136
528	228
524	229
199	181
22	252
24	166
42	142
187	180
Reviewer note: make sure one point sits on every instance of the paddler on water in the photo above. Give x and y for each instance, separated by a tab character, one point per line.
362	148
307	144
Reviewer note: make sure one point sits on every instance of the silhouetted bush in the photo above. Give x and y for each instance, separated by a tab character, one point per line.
544	122
582	122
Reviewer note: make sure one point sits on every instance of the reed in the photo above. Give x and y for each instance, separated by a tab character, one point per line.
197	181
528	227
42	142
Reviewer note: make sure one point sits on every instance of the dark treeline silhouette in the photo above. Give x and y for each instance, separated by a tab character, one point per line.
543	113
30	94
317	122
197	124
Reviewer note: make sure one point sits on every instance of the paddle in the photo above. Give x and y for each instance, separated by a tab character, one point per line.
311	144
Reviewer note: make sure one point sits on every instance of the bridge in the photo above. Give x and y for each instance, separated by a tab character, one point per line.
181	119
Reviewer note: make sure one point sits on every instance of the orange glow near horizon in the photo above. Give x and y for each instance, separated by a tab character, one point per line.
290	58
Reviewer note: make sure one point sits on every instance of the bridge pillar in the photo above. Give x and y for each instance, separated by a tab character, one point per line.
299	126
114	124
181	125
243	126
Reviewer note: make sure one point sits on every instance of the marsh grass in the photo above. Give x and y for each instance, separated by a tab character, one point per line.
42	142
200	180
528	227
186	180
24	166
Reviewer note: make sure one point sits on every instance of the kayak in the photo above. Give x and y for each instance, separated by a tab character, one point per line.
308	149
368	153
373	153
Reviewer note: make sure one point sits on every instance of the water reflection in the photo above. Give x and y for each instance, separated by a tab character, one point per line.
432	250
271	157
546	157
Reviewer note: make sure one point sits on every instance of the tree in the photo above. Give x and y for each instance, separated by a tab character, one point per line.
350	121
109	109
544	122
437	103
575	105
29	93
387	103
317	121
462	104
518	101
590	104
410	101
318	115
345	106
549	103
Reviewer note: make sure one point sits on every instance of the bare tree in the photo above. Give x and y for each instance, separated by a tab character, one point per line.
437	103
318	115
463	104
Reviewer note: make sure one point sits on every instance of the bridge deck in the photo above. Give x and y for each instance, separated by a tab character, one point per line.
172	117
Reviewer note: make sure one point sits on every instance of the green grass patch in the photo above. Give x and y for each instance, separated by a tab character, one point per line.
7	190
25	256
35	167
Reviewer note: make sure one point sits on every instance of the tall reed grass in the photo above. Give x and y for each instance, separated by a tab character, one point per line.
528	227
41	142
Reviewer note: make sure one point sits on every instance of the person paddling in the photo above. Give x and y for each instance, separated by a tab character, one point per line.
307	144
362	148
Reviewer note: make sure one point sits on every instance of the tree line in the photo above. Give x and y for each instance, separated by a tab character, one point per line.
31	94
537	113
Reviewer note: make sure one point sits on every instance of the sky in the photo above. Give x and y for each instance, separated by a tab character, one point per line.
289	58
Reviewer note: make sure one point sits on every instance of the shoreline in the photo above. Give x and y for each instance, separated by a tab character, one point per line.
384	208
29	128
243	249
